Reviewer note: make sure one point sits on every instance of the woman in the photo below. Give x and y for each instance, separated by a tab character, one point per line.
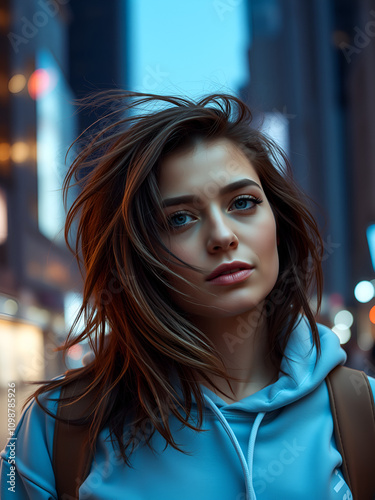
199	255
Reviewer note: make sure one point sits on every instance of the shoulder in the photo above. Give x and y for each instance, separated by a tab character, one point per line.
32	442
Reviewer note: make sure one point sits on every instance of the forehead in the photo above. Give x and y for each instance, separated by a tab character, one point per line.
220	161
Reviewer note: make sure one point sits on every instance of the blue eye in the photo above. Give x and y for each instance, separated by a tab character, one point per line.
247	198
177	216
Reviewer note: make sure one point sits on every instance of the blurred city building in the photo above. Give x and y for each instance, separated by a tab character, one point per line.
97	50
50	51
312	74
36	269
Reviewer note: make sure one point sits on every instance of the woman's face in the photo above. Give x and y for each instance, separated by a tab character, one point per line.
218	227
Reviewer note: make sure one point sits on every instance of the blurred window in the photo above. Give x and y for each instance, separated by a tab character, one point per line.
55	132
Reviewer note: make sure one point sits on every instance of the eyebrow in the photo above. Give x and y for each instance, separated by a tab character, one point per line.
179	200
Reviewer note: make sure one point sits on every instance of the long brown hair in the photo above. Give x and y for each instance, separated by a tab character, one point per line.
138	335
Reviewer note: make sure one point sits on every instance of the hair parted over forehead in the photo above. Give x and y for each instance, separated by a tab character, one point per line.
117	220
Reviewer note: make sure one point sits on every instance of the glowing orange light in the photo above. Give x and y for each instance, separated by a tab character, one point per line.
19	152
39	83
4	18
16	83
372	314
4	151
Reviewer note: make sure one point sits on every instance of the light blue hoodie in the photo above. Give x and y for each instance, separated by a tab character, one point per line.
275	444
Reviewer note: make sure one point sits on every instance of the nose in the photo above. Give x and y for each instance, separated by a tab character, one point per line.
221	236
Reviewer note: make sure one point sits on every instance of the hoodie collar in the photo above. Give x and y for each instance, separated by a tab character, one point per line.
304	372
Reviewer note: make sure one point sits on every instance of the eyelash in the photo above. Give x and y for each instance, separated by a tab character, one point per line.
254	199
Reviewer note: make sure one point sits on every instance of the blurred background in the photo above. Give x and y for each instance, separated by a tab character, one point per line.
306	69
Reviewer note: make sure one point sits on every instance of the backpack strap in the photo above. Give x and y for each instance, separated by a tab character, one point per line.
353	411
72	455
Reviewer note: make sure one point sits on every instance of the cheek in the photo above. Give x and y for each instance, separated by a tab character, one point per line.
185	247
265	246
181	252
266	237
186	254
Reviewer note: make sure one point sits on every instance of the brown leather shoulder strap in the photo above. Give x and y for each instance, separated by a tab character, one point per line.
71	451
352	406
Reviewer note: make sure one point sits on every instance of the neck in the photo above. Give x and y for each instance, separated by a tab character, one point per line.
242	342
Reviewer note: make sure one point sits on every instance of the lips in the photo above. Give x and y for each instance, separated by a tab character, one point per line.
227	268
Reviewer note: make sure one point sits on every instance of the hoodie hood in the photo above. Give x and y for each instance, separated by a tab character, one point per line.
305	372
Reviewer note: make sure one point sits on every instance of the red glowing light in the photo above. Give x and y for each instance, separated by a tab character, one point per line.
75	352
39	83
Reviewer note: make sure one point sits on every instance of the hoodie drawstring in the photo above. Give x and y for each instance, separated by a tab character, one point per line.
247	467
250	451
